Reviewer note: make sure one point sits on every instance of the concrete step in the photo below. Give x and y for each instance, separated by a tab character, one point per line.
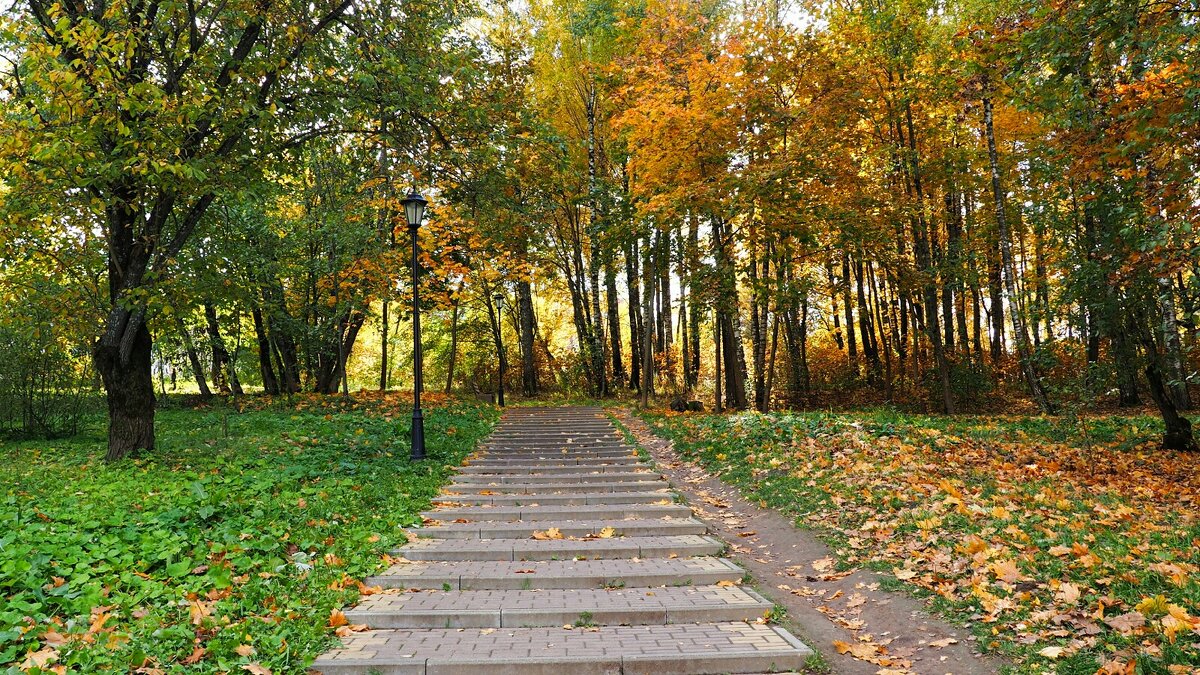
607	477
662	496
561	549
637	527
558	607
583	456
557	513
484	460
699	649
474	469
569	442
536	488
496	575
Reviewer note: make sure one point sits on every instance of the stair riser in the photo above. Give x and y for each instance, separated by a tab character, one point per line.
548	469
484	532
536	514
504	478
633	551
532	618
537	581
469	489
558	499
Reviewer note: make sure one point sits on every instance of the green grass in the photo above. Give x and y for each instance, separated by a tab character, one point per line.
228	545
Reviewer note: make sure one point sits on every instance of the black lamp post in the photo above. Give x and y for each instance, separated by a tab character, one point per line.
500	347
414	212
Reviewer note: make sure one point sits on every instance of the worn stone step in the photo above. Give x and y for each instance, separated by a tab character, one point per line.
661	496
606	477
526	456
558	513
558	607
496	575
637	527
552	460
534	488
564	463
699	649
560	549
474	469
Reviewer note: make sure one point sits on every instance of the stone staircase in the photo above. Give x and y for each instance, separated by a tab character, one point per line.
556	550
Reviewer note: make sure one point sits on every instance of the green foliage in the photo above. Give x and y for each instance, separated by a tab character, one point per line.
238	530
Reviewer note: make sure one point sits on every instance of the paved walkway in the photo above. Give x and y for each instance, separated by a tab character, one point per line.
557	550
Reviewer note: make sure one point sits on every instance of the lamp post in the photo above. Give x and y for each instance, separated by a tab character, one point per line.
414	213
500	347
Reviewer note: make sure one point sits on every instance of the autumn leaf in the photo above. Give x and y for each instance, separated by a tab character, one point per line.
1051	652
244	650
1126	623
256	669
552	533
606	533
859	650
40	659
337	618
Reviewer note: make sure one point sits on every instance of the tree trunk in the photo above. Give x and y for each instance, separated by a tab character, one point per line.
1006	258
694	295
635	317
528	329
383	348
614	318
193	358
851	344
129	386
270	382
647	384
1173	350
220	356
454	310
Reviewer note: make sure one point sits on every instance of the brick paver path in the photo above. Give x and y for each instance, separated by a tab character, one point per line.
556	550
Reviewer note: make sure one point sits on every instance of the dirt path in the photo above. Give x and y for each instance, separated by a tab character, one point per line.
848	617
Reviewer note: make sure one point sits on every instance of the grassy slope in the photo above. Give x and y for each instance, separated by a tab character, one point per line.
1068	544
215	551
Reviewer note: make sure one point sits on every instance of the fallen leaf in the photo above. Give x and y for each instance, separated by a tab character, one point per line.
1127	622
337	618
859	650
1051	652
944	642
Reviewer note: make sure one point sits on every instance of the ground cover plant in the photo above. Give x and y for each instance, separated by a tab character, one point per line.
228	548
1068	544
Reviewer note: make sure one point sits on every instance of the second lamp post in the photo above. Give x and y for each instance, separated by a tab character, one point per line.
414	212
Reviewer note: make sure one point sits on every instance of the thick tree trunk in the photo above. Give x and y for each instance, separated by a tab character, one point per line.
528	329
614	318
727	308
331	360
647	384
270	382
1172	348
1024	352
129	385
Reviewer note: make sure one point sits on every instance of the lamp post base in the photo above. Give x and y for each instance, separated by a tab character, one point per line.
418	435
